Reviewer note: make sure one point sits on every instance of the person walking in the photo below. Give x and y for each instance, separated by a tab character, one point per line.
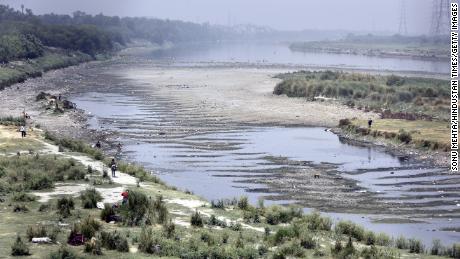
113	167
369	123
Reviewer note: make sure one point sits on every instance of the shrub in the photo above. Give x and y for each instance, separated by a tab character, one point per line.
401	243
138	210
351	229
23	197
383	239
219	204
76	174
20	208
89	226
64	252
93	247
316	222
284	234
146	241
455	251
40	182
42	231
369	238
169	229
107	213
114	241
90	197
44	207
243	203
307	241
395	80
436	248
290	249
344	122
19	248
196	219
160	211
277	214
404	136
64	206
416	246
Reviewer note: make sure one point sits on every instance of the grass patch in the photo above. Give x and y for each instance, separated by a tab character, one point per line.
423	134
393	96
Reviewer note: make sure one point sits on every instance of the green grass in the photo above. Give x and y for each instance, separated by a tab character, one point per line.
19	71
423	134
298	235
393	96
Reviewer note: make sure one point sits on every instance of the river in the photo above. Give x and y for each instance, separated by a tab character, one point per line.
218	157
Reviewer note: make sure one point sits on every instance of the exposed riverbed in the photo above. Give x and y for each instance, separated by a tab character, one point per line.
214	128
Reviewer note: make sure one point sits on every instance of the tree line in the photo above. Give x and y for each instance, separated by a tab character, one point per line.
25	35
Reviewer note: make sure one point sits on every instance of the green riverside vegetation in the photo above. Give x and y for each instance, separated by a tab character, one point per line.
151	224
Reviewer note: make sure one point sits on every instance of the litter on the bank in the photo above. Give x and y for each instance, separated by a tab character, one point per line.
42	240
100	205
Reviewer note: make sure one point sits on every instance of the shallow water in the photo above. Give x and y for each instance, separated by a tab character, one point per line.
211	161
272	53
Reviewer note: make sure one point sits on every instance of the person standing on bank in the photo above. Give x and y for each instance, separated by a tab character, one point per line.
23	131
113	167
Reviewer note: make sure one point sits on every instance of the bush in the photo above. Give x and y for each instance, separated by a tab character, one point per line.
64	252
344	122
416	246
114	241
436	249
64	206
89	226
160	211
316	222
93	247
138	210
404	136
219	204
307	241
107	213
290	249
146	241
395	80
23	197
277	214
90	197
382	239
350	229
284	234
401	243
243	203
196	219
369	238
42	231
19	248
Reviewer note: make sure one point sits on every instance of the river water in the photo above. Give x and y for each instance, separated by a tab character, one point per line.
221	160
271	53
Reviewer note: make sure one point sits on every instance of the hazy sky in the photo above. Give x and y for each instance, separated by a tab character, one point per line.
375	15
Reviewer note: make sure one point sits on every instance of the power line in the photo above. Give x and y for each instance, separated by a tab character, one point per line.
402	19
440	18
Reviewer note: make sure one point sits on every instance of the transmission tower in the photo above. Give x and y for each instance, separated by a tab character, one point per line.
402	19
440	18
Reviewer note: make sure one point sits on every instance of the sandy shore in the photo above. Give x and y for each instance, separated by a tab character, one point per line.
241	95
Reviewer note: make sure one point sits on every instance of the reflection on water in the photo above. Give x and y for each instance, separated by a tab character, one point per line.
211	163
271	53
